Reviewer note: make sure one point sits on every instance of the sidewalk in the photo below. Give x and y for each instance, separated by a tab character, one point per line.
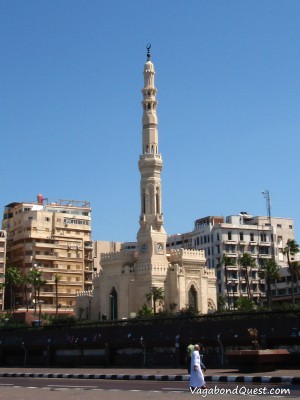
165	374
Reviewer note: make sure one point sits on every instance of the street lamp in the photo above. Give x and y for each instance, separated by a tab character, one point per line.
128	297
40	302
112	305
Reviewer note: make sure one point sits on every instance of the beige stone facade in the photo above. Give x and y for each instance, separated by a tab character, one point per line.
128	276
54	237
263	237
2	266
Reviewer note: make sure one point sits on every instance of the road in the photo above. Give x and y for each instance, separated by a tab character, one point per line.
92	389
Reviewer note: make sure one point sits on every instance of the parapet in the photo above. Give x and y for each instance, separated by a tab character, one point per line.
177	255
85	293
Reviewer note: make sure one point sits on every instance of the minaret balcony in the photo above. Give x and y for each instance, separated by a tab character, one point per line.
150	156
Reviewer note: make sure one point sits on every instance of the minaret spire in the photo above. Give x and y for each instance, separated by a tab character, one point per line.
148	51
150	162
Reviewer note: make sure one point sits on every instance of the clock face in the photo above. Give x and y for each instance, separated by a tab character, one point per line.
159	247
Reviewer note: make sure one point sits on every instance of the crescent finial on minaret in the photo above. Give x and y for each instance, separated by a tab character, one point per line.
148	47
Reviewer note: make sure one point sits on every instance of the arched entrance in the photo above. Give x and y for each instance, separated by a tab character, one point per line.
193	303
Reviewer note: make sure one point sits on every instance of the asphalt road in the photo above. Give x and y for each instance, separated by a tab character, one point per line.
90	389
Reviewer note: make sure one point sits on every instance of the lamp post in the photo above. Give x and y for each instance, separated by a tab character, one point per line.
112	305
128	296
40	302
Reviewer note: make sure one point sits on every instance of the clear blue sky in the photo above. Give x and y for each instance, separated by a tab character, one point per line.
227	74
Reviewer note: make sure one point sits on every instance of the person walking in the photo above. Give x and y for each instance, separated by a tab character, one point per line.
189	352
196	376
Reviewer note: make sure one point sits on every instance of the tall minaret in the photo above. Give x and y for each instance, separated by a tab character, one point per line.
151	236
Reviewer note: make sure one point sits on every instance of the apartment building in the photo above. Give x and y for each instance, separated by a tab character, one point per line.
262	237
2	266
55	238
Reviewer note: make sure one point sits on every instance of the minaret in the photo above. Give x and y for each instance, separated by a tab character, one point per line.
151	236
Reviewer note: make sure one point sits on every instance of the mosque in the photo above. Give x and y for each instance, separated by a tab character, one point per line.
177	279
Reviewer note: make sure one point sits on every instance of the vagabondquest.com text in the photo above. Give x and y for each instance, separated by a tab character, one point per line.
239	390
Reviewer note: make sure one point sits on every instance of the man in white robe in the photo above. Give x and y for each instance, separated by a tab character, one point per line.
196	376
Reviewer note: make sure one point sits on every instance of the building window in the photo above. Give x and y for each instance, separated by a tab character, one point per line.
290	226
263	250
229	236
241	236
252	237
263	237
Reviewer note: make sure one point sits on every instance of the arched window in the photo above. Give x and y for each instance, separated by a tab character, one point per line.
193	297
113	304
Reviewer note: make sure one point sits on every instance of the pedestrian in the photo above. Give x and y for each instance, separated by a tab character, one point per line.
196	376
189	352
203	367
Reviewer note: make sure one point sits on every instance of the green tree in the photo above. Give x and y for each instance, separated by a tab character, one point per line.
25	282
13	279
156	294
227	262
245	304
290	250
247	261
34	278
221	302
145	311
269	271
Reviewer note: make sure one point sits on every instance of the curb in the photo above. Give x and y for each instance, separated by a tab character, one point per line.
209	378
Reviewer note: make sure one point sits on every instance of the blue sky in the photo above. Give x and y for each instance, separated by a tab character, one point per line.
227	74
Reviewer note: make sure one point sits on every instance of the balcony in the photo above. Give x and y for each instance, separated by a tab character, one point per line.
265	256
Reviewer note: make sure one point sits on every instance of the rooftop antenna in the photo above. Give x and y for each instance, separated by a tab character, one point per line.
148	47
266	195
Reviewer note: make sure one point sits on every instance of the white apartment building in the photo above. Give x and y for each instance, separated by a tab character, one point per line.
2	266
55	237
232	236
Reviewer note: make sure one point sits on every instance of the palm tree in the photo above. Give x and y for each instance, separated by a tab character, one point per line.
25	282
295	266
245	261
226	262
157	295
291	248
33	278
269	271
13	279
57	278
245	304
